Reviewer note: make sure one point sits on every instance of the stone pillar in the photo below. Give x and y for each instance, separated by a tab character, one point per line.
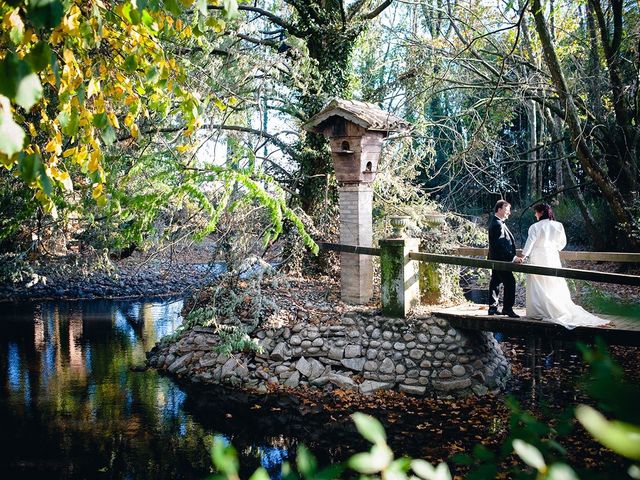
399	276
356	271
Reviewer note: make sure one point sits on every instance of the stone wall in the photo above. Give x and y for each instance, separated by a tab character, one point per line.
423	356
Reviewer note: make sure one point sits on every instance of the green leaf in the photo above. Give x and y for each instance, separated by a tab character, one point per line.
224	456
11	134
375	461
529	454
39	56
30	167
369	428
131	63
442	472
230	8
45	13
201	6
423	469
173	7
69	122
306	462
45	181
18	82
108	135
623	438
560	471
100	120
16	35
260	474
482	453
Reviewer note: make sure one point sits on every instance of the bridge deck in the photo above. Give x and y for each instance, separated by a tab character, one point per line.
621	330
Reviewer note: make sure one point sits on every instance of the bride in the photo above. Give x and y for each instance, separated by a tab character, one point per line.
548	297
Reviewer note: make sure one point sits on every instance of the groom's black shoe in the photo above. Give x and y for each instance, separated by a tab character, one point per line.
510	314
493	311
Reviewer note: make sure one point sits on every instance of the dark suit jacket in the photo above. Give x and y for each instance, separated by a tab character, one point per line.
502	245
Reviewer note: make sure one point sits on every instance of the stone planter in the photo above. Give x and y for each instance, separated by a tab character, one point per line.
434	219
399	224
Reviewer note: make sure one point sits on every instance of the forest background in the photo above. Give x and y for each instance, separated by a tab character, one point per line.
127	124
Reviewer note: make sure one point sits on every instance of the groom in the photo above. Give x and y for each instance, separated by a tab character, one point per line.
502	246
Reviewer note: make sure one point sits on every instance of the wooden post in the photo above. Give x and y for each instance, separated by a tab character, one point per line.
399	276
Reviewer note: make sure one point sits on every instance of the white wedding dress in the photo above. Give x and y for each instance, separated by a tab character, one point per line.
548	298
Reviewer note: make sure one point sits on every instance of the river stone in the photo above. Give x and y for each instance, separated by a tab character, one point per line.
400	369
320	381
434	330
375	334
422	338
387	345
352	351
342	381
413	389
369	386
416	354
445	374
208	361
228	367
387	335
370	366
318	342
303	366
279	353
356	364
242	371
180	362
317	369
336	353
458	370
439	355
387	366
399	346
372	353
295	340
374	343
305	344
293	380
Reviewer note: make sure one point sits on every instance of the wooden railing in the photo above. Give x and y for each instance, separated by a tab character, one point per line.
564	255
605	277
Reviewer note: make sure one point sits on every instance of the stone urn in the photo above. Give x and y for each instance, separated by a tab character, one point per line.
399	224
434	219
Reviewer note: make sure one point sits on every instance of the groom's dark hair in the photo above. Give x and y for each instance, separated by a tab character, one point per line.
500	204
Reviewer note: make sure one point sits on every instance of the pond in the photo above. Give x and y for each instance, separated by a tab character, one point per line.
73	404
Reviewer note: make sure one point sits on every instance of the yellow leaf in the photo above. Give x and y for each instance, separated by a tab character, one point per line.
53	147
94	87
57	36
82	156
32	129
113	119
71	21
97	191
135	132
183	148
12	19
69	151
8	162
94	163
68	57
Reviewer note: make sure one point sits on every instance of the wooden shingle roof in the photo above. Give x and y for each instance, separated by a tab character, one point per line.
367	115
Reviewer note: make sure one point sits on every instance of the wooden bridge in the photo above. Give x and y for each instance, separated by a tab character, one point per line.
621	330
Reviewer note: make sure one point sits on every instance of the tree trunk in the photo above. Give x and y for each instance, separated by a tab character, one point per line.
557	137
627	222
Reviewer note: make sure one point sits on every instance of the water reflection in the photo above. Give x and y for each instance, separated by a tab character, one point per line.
71	406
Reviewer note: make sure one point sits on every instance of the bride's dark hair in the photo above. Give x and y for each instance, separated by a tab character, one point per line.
545	210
